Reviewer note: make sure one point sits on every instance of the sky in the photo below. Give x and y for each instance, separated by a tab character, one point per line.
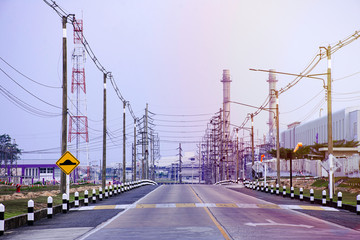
171	55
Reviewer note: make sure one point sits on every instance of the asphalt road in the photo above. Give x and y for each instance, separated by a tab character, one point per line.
76	223
196	212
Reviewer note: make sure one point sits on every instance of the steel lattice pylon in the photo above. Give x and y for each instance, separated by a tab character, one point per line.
78	121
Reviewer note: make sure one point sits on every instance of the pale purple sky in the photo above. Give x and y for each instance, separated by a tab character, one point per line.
171	54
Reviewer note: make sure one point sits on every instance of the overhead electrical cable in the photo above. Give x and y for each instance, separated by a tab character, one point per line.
41	84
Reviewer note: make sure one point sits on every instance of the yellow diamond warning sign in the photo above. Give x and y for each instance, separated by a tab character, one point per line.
67	163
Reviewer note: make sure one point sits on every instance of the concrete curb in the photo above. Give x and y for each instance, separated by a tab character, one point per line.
20	220
347	207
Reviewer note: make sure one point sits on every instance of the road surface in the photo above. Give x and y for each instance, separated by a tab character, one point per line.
200	212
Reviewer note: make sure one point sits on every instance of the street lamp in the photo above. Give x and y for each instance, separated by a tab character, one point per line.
328	88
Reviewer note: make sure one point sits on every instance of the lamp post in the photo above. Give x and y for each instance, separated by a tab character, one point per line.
291	153
313	76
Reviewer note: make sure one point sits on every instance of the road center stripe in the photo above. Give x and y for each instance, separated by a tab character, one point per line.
217	224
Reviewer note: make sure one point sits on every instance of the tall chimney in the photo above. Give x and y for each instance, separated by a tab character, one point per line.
226	115
272	105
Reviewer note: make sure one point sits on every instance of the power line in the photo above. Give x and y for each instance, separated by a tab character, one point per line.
180	121
182	115
304	103
346	77
25	106
71	19
29	91
41	84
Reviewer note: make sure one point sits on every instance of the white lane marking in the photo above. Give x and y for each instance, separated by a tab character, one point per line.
246	205
125	206
166	205
210	205
272	223
82	208
330	209
205	205
305	215
289	206
101	226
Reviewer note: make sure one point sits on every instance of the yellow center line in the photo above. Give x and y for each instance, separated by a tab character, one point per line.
217	224
104	207
226	205
185	205
311	207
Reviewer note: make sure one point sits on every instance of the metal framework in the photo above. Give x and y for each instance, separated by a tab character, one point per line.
78	121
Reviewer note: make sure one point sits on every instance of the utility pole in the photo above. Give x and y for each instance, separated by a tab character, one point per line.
329	123
199	162
252	144
153	157
143	151
103	176
124	144
132	161
63	176
329	109
134	170
146	144
237	154
277	138
180	175
221	162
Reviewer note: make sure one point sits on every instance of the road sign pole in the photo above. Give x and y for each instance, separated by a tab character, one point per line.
331	171
265	174
67	186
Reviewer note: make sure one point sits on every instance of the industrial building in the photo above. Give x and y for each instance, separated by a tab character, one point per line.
345	127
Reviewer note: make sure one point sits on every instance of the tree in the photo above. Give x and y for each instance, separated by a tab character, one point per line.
8	150
312	150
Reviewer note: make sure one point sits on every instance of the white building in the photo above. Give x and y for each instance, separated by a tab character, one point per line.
345	127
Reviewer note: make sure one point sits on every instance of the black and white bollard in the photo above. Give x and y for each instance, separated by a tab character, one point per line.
277	189
106	192
292	195
358	204
258	186
272	189
49	207
94	196
301	196
30	215
110	191
311	195
284	191
86	198
2	219
324	197
262	186
76	199
339	200
115	189
100	194
266	188
64	203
